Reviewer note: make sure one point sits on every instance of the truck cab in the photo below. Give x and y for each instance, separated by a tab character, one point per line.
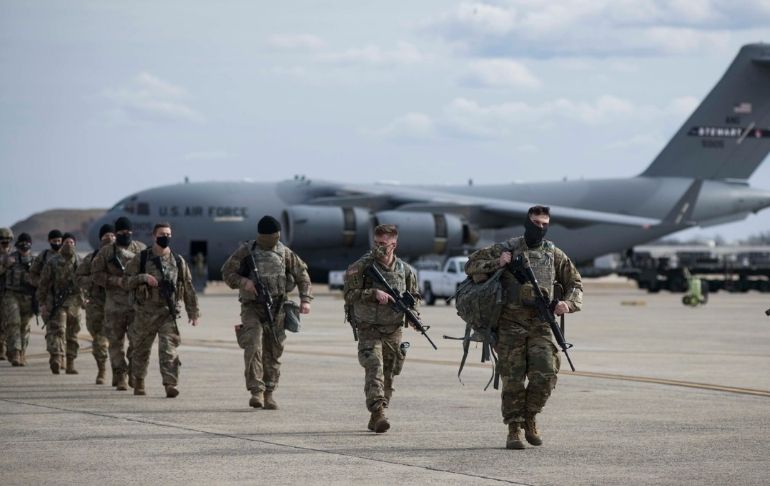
442	283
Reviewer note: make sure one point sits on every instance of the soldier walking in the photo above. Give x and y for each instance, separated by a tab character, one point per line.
528	360
6	237
18	302
378	325
160	279
262	342
60	300
107	270
95	298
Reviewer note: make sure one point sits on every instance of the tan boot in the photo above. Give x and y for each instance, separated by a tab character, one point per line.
71	367
101	375
530	431
270	402
55	366
379	422
14	357
122	382
171	391
139	386
256	400
514	440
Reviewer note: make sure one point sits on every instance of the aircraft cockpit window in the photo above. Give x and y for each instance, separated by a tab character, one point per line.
126	205
143	209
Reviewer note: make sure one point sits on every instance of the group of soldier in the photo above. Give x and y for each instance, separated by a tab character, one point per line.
132	293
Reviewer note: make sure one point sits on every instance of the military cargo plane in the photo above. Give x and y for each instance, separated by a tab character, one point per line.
698	179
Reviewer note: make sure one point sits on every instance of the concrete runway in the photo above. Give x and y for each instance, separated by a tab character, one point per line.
663	395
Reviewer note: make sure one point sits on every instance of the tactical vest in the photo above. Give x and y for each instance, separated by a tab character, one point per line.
15	275
373	314
541	260
63	279
168	267
272	270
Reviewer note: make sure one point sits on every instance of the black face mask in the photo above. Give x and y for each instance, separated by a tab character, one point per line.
24	247
123	239
55	246
533	234
163	241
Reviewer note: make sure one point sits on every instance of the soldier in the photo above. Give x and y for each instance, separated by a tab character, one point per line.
279	268
18	304
55	241
525	349
108	270
367	307
6	237
160	279
95	297
60	299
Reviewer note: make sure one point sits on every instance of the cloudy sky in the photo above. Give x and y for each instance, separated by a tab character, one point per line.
99	99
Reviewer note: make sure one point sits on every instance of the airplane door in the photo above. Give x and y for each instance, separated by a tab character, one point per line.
199	266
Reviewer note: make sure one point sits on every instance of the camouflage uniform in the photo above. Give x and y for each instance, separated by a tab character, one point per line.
96	297
152	315
36	270
280	268
4	232
378	326
106	272
525	347
17	303
63	325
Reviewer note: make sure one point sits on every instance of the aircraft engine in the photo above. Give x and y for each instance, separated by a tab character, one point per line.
314	227
421	233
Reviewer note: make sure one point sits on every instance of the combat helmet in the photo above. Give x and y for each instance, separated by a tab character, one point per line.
6	234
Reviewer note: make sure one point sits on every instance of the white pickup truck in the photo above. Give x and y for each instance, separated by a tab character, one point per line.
442	283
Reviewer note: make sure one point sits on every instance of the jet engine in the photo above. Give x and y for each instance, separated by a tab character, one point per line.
315	227
422	233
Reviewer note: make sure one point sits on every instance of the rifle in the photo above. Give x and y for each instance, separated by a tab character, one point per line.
167	291
524	274
401	303
35	306
58	301
263	295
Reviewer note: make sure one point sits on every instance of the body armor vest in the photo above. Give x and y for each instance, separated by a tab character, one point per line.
120	257
272	270
541	260
374	314
16	277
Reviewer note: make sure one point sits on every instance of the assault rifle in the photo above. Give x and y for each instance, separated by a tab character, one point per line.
58	300
167	290
401	303
263	294
524	274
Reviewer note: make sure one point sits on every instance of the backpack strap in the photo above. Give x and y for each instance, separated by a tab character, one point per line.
143	256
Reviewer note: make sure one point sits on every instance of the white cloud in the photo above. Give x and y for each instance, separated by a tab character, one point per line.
500	73
412	126
597	28
403	53
149	98
296	41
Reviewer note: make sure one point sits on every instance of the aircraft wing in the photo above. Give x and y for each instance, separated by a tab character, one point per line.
505	212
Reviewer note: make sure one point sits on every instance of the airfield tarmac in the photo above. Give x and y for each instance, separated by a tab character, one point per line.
664	394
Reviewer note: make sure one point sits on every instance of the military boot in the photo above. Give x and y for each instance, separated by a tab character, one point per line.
256	400
55	365
139	386
14	357
122	382
101	374
270	402
130	380
378	422
71	366
171	391
514	436
530	431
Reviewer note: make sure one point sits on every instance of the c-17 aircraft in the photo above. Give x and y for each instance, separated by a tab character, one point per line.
698	179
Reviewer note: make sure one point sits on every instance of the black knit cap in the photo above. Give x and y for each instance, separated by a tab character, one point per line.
69	235
268	225
24	237
54	234
123	223
106	228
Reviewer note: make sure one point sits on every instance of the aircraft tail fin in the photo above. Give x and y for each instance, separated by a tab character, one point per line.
728	135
